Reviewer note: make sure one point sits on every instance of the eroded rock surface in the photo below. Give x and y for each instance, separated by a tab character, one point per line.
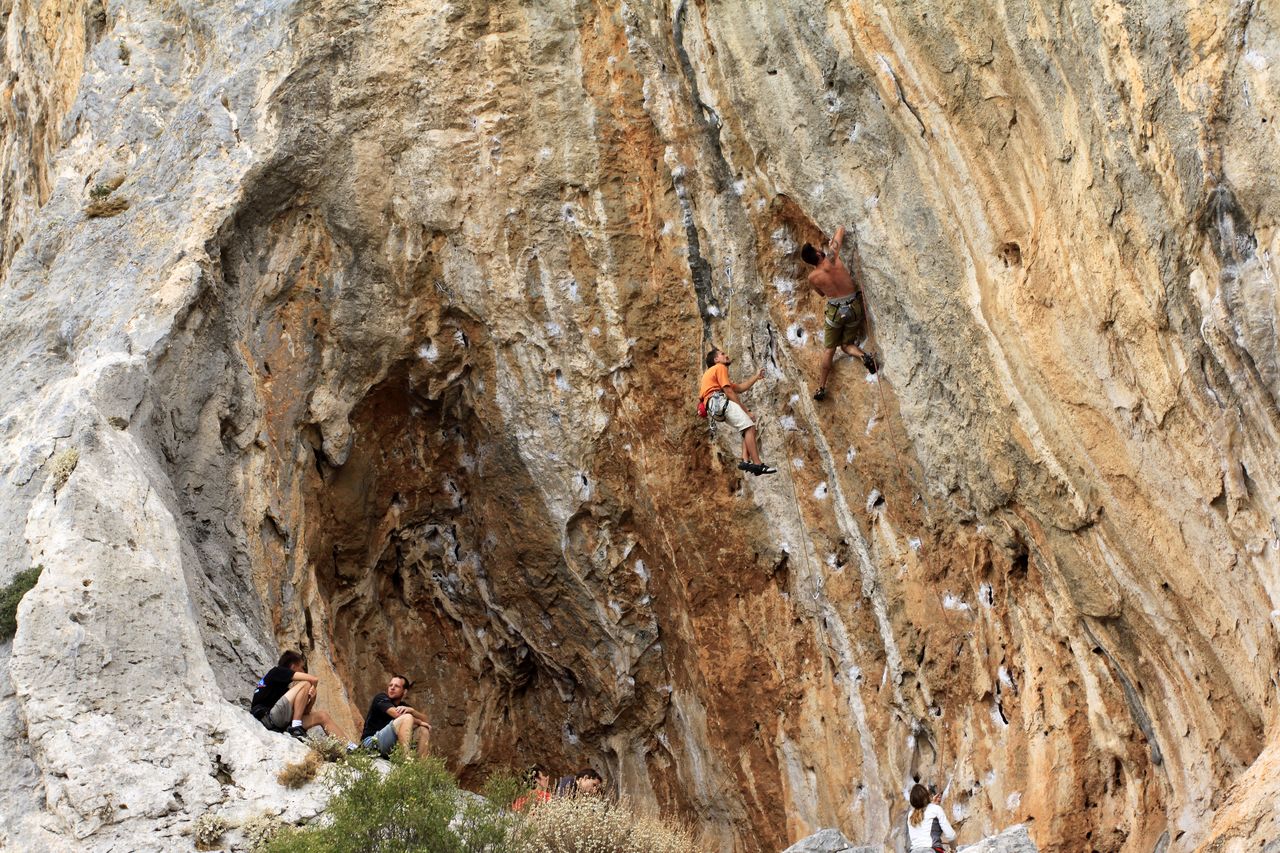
828	841
1012	840
385	343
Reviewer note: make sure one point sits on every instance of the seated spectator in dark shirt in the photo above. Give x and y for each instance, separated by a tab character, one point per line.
585	783
391	721
284	696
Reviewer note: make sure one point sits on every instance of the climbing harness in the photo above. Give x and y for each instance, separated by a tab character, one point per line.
716	404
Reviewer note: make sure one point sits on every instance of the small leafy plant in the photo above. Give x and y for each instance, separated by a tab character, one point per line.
62	466
502	788
21	584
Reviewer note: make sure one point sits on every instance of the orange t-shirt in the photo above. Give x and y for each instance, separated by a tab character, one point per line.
525	801
716	377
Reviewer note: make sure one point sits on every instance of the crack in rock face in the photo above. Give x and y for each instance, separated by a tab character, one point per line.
388	350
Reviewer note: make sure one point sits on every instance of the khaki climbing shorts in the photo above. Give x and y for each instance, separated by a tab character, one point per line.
280	715
736	417
842	322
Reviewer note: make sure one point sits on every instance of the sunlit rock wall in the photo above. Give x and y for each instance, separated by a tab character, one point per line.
391	357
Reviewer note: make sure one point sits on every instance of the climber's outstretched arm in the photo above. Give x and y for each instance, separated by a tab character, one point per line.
833	248
740	387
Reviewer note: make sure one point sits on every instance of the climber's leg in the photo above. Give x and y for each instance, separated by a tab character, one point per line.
300	696
404	725
826	372
322	719
736	417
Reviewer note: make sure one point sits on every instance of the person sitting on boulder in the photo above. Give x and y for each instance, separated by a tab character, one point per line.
843	319
391	721
538	781
927	826
585	783
718	399
284	697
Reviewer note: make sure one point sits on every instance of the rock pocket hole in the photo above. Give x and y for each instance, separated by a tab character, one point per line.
1011	254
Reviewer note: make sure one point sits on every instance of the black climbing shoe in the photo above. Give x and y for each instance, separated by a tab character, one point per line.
297	731
747	466
869	362
764	469
820	394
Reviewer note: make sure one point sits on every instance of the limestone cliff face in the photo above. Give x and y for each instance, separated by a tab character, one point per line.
391	357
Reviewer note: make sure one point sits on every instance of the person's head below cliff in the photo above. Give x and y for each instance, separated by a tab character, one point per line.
538	778
920	800
588	782
811	256
397	687
712	358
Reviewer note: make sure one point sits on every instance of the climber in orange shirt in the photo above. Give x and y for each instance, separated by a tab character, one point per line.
718	399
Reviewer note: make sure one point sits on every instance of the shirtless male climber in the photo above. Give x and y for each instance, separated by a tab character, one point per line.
719	398
844	315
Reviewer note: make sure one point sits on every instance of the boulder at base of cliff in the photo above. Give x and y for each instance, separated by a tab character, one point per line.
828	841
1012	840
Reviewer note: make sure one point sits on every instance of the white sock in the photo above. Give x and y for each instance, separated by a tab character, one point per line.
297	722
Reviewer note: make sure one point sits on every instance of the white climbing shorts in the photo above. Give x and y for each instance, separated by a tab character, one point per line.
736	417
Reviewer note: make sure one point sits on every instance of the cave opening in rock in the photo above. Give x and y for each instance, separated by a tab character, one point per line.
421	538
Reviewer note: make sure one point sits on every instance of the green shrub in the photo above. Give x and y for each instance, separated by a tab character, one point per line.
415	807
22	583
502	788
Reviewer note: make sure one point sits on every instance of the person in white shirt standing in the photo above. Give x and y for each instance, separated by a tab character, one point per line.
926	814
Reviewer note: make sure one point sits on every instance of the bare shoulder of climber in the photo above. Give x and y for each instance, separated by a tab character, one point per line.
844	319
718	399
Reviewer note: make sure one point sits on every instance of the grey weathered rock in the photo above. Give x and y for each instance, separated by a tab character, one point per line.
390	357
1012	840
828	841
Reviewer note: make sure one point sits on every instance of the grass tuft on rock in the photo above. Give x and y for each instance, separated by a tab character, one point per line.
104	207
208	831
21	584
298	773
327	747
61	466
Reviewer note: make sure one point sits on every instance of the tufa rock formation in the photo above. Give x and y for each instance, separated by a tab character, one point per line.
388	352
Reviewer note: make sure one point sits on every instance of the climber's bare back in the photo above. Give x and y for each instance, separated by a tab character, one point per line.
831	278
